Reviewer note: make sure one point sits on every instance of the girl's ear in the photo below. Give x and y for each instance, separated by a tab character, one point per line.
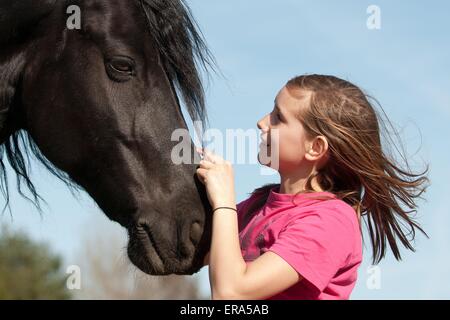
317	149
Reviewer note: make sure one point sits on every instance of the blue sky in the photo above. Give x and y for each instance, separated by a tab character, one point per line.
259	45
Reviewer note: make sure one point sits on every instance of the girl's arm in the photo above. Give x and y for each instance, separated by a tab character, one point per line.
230	276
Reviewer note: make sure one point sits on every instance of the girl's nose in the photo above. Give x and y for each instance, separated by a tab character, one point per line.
263	124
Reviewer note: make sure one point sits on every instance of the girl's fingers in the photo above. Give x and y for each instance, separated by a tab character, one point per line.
207	155
201	174
210	156
206	164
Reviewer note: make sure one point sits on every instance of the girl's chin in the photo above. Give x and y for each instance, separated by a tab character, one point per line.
264	157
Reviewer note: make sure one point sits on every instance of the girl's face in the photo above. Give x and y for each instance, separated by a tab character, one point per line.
284	140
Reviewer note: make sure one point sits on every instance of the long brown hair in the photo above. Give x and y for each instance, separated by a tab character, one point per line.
358	170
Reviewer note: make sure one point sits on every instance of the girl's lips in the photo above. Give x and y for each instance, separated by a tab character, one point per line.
264	141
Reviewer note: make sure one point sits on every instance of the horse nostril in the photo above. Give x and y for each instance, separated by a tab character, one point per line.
196	233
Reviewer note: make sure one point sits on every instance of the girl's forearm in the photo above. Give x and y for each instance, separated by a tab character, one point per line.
226	264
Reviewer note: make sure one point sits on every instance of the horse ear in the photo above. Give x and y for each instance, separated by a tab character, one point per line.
18	16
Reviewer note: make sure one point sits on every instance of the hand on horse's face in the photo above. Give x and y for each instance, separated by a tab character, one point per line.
218	177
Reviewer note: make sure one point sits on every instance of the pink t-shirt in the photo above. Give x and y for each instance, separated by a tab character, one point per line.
319	238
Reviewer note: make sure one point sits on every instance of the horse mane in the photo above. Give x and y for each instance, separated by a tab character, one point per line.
17	149
182	50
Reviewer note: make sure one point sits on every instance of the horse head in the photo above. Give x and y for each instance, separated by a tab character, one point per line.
99	105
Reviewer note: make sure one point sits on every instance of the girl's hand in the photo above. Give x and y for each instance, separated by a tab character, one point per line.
217	175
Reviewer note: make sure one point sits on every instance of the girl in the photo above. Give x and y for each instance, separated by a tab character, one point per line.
301	238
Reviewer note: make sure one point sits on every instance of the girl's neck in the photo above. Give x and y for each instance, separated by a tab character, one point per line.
292	184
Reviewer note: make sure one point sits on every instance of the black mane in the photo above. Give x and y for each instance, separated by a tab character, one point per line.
182	50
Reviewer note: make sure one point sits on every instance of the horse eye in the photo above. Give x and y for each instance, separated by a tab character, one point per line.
120	68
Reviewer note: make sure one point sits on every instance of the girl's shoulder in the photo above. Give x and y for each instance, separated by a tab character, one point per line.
248	207
337	211
244	204
257	194
329	212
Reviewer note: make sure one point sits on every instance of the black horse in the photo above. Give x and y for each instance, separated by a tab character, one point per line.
97	106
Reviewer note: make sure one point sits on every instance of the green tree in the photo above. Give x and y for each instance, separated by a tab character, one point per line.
28	270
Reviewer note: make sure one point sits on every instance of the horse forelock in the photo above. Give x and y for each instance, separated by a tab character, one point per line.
182	49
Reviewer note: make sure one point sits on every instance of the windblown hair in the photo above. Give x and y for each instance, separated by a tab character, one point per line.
182	50
358	170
